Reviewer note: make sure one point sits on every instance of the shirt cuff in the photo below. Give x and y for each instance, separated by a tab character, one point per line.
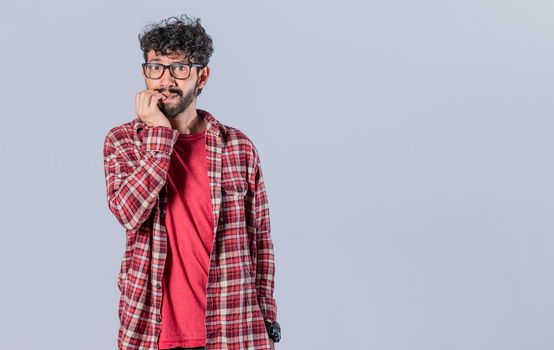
159	139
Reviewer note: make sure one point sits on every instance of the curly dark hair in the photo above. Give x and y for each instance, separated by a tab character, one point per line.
175	35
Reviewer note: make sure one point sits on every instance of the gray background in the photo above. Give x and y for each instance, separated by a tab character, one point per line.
406	145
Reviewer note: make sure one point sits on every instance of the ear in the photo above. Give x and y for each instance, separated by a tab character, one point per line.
203	76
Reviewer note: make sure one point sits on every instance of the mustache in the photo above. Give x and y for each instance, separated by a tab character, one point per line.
170	90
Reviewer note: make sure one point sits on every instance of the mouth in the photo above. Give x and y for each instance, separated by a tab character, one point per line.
169	98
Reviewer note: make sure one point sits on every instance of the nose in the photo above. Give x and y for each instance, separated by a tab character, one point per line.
166	79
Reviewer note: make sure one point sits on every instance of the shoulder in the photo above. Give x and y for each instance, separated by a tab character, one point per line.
236	138
120	141
241	155
121	133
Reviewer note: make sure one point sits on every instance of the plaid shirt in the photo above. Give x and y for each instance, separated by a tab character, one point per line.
239	291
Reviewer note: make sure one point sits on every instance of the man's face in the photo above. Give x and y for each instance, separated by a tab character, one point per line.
179	93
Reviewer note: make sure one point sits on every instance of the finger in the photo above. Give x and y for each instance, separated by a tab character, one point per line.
151	94
145	104
147	99
154	99
142	110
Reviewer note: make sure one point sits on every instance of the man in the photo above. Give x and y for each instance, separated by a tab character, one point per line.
198	268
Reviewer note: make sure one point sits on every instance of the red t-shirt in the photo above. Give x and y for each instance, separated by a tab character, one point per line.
189	223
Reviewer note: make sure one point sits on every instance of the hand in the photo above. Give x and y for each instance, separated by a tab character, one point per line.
146	103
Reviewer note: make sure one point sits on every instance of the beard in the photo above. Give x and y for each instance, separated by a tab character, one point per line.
171	110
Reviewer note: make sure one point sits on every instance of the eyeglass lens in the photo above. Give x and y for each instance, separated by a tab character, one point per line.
155	71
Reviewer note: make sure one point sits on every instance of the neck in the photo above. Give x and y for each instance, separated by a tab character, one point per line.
188	121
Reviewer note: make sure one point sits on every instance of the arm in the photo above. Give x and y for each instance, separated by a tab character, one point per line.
132	192
265	268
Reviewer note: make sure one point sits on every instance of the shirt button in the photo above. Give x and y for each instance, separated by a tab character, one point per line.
239	189
159	320
158	286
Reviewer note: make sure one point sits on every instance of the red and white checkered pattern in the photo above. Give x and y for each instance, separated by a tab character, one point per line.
239	292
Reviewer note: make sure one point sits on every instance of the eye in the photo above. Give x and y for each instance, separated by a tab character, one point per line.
155	67
179	67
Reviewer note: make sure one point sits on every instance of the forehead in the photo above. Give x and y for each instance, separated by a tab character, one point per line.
171	55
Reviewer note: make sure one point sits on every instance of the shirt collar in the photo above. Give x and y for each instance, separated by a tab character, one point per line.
214	125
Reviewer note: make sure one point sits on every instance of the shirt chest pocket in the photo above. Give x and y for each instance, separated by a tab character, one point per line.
233	193
234	187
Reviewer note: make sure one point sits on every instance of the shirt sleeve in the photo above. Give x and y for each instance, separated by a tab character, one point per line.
265	265
132	190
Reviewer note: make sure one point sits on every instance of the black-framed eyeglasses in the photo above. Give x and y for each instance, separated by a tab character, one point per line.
177	70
